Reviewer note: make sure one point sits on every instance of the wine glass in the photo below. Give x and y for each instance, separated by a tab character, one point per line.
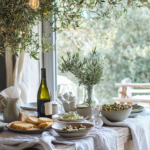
72	92
65	95
58	98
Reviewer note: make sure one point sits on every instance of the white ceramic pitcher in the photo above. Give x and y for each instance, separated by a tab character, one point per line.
11	110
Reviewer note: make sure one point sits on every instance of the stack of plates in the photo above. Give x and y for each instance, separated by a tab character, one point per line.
136	110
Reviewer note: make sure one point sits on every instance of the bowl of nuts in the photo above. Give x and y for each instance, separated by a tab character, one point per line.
116	112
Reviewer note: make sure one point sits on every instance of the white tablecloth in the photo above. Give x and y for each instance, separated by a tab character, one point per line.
98	139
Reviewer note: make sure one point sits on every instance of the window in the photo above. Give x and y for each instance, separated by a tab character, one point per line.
124	43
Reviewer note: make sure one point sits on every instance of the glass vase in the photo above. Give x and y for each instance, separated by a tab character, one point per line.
89	95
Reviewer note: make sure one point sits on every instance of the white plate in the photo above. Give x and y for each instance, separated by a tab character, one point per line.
132	115
137	108
30	106
58	126
75	120
30	131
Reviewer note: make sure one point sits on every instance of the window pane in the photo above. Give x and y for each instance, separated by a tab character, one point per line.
124	42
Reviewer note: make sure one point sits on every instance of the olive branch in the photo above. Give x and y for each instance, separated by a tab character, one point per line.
87	70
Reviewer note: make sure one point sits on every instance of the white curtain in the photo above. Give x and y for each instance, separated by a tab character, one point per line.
26	77
26	74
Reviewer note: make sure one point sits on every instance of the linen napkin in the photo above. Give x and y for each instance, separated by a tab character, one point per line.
12	92
16	141
140	129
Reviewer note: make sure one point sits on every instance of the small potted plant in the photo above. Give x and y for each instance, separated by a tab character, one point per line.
88	70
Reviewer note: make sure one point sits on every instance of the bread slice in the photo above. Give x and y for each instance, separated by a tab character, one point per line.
33	120
44	119
23	116
49	125
43	125
22	125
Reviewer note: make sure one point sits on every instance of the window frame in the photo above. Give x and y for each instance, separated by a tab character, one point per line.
50	60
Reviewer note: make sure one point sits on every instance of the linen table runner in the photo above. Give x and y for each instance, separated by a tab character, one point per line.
140	129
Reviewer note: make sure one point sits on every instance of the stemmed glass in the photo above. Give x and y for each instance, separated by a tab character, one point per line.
65	93
58	98
72	92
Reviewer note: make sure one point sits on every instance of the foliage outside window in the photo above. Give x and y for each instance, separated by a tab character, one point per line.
124	42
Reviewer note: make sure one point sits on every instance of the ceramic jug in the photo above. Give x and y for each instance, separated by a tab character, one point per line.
11	110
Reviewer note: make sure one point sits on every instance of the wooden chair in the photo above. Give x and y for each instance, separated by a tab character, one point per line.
137	98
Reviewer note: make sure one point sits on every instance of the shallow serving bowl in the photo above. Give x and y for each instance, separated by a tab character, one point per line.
118	115
58	126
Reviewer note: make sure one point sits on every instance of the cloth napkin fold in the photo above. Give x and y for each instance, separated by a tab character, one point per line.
12	92
140	129
16	141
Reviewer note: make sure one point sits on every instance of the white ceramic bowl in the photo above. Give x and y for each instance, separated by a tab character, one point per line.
118	115
65	133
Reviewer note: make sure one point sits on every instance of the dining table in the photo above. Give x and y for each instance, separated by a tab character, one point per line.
124	139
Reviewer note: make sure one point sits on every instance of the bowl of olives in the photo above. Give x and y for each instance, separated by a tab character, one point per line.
116	112
72	129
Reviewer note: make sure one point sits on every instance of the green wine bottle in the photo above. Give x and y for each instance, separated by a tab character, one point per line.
44	99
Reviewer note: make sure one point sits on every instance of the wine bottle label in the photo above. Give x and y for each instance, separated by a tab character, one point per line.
48	108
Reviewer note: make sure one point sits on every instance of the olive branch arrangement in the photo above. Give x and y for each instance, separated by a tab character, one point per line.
87	70
17	20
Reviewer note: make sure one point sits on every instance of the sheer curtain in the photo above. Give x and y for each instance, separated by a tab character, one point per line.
26	74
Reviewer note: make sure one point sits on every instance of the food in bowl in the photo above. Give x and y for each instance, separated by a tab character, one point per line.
116	112
58	128
71	116
115	107
70	128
